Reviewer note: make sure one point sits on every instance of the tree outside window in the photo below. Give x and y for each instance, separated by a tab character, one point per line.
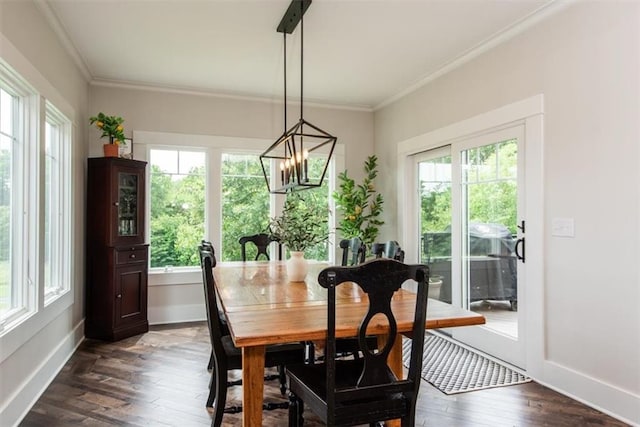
245	203
177	207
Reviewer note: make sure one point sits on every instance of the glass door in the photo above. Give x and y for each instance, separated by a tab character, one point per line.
472	233
127	204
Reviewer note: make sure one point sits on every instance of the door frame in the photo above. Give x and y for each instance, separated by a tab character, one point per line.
528	112
508	348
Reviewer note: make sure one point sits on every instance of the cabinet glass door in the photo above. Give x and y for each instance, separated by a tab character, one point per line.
127	204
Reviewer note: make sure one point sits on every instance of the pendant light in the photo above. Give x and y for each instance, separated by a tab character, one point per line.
292	150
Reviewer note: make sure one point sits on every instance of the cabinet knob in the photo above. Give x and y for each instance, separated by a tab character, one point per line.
116	203
119	296
132	256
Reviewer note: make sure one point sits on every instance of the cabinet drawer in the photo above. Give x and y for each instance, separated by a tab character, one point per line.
129	255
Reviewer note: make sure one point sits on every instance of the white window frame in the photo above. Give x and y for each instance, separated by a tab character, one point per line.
26	82
215	146
23	272
61	227
179	148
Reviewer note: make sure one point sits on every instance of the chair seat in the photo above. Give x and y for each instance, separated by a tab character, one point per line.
275	355
309	383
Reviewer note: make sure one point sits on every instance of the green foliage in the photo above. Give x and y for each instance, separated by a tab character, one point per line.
245	204
111	127
492	192
5	204
436	208
360	205
303	223
177	218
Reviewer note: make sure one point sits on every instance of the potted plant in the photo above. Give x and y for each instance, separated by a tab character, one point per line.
360	205
301	225
111	126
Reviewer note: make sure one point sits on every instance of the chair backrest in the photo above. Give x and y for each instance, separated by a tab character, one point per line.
390	249
207	262
379	279
262	242
353	251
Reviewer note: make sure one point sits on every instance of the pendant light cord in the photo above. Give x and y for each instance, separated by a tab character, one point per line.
285	81
301	55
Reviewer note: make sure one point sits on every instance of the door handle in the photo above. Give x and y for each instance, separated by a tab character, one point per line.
518	255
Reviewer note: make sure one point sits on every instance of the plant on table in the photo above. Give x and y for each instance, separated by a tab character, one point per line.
302	224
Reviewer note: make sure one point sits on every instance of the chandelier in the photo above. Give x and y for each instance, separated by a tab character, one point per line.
293	149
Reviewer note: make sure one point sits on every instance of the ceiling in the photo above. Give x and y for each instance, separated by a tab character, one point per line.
357	53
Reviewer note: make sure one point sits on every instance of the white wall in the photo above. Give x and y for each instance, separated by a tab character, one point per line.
40	348
585	60
147	110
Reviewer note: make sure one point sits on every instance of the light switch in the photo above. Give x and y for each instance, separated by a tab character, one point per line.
562	227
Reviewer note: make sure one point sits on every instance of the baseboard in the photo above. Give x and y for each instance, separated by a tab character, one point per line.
32	388
176	314
611	400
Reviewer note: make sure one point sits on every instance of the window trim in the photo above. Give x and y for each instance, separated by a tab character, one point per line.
215	146
63	246
18	72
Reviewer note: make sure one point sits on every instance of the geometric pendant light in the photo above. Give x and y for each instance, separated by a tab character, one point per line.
292	150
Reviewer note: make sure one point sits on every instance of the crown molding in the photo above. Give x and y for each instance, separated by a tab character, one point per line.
500	37
200	92
64	38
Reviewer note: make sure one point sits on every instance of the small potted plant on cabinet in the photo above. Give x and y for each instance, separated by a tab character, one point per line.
111	127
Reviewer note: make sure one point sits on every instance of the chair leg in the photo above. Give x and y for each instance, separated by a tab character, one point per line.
210	365
283	380
296	407
218	394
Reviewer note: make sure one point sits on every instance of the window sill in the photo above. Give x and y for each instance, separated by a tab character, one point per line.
176	276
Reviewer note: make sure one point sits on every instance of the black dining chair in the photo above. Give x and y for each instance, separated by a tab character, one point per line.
353	251
227	357
361	391
224	328
262	242
390	249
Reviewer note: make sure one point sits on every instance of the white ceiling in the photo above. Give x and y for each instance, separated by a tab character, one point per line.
357	53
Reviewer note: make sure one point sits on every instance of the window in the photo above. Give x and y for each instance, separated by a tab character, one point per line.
245	203
319	195
227	199
56	204
35	208
11	297
177	206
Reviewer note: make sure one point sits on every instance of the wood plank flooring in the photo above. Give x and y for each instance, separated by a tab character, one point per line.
160	379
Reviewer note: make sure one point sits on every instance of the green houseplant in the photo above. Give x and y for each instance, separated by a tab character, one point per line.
111	127
300	226
360	205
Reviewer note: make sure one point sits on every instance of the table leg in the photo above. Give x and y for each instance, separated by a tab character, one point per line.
252	385
395	363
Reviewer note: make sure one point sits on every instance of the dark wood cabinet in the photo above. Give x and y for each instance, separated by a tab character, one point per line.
117	256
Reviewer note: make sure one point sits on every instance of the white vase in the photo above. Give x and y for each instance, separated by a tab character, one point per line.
297	267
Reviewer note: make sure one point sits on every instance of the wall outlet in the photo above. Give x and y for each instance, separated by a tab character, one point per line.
562	227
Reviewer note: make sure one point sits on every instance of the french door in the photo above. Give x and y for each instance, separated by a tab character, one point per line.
471	226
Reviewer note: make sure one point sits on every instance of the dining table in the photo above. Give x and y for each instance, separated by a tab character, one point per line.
263	307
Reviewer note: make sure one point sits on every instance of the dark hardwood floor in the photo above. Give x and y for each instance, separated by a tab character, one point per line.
160	379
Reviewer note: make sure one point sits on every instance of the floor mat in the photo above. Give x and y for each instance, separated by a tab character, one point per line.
455	369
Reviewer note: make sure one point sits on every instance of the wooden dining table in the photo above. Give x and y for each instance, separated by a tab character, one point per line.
262	308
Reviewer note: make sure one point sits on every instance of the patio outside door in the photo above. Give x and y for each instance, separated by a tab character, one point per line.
472	233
